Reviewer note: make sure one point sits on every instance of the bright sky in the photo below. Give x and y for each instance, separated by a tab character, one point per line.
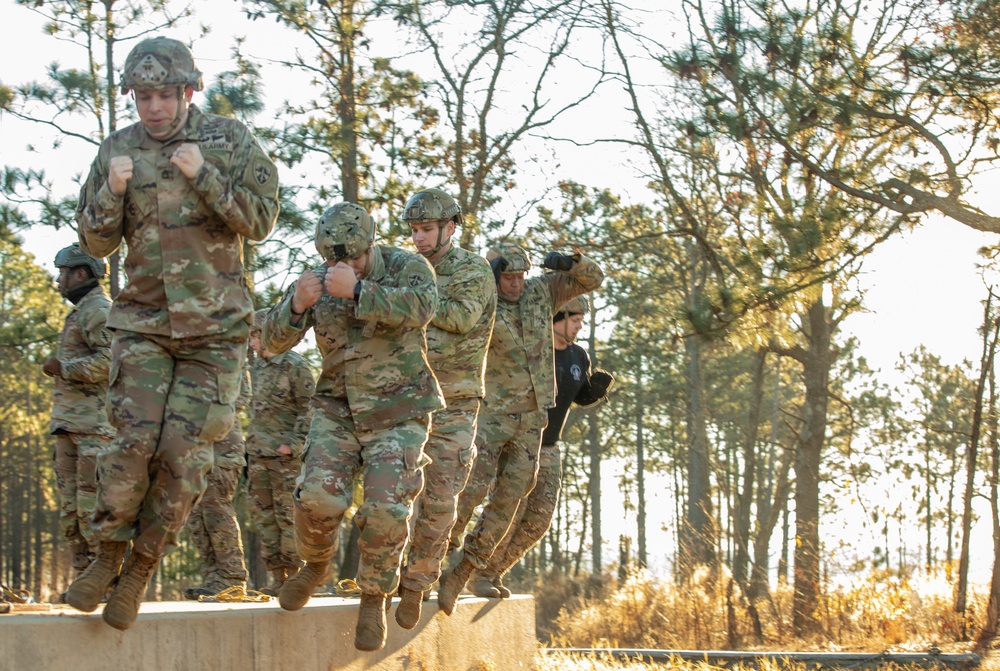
923	287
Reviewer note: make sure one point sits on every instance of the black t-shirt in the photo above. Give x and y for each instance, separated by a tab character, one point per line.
572	375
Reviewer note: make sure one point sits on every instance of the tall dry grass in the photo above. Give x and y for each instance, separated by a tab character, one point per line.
876	612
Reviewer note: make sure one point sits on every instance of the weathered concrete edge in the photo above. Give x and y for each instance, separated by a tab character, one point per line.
480	634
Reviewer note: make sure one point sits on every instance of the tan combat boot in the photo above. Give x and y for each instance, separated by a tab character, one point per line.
452	583
408	610
498	583
482	585
90	586
81	554
370	631
296	591
123	604
278	578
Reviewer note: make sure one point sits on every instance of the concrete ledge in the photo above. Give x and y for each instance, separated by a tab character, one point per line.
481	635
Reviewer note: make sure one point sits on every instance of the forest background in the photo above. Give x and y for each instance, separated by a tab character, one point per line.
788	198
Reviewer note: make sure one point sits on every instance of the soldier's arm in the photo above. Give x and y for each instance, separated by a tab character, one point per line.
410	305
594	391
247	198
303	386
279	333
472	291
99	213
93	367
245	399
584	276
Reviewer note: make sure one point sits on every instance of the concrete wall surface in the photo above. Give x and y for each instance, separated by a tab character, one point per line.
480	635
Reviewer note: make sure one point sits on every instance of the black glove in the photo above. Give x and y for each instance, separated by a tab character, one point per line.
557	261
498	264
601	381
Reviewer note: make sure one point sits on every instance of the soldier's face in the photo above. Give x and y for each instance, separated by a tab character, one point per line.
70	278
427	235
163	111
570	327
511	286
359	265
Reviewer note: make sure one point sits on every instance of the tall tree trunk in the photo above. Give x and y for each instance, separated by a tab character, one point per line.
815	362
698	535
594	494
989	331
989	630
745	496
347	106
640	468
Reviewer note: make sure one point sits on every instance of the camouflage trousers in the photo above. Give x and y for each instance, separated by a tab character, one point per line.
270	482
216	532
170	400
534	514
392	461
75	463
452	450
506	466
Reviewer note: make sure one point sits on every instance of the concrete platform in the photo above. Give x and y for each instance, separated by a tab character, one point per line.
481	635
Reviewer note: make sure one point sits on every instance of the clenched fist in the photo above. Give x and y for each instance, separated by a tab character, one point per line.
188	159
119	174
52	367
308	290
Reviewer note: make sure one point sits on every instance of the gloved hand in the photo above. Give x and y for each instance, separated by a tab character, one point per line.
52	367
557	261
601	381
499	264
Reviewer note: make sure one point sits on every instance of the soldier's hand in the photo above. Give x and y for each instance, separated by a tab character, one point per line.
119	174
498	265
340	280
188	159
308	290
557	261
52	367
601	381
284	450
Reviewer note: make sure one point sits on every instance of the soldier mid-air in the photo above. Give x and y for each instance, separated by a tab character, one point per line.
182	189
368	305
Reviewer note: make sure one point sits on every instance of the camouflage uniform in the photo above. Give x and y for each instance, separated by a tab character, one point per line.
283	386
520	386
78	420
576	383
370	411
182	319
213	525
457	340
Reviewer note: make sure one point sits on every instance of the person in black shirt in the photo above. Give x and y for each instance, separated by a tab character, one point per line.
575	383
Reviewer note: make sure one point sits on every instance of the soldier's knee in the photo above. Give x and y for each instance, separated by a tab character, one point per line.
313	499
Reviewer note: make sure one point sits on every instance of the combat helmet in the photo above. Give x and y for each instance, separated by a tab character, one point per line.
74	257
345	231
160	62
517	258
258	320
578	306
431	205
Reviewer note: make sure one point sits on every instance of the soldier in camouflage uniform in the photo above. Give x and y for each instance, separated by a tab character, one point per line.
80	373
457	339
520	386
183	190
283	386
576	384
213	525
368	304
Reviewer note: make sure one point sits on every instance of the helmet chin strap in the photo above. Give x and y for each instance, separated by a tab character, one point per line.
440	244
182	106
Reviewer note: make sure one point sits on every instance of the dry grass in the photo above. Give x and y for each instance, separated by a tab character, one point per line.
878	612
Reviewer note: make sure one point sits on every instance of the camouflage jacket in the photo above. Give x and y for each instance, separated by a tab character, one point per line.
85	355
374	351
459	333
184	238
283	385
520	366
